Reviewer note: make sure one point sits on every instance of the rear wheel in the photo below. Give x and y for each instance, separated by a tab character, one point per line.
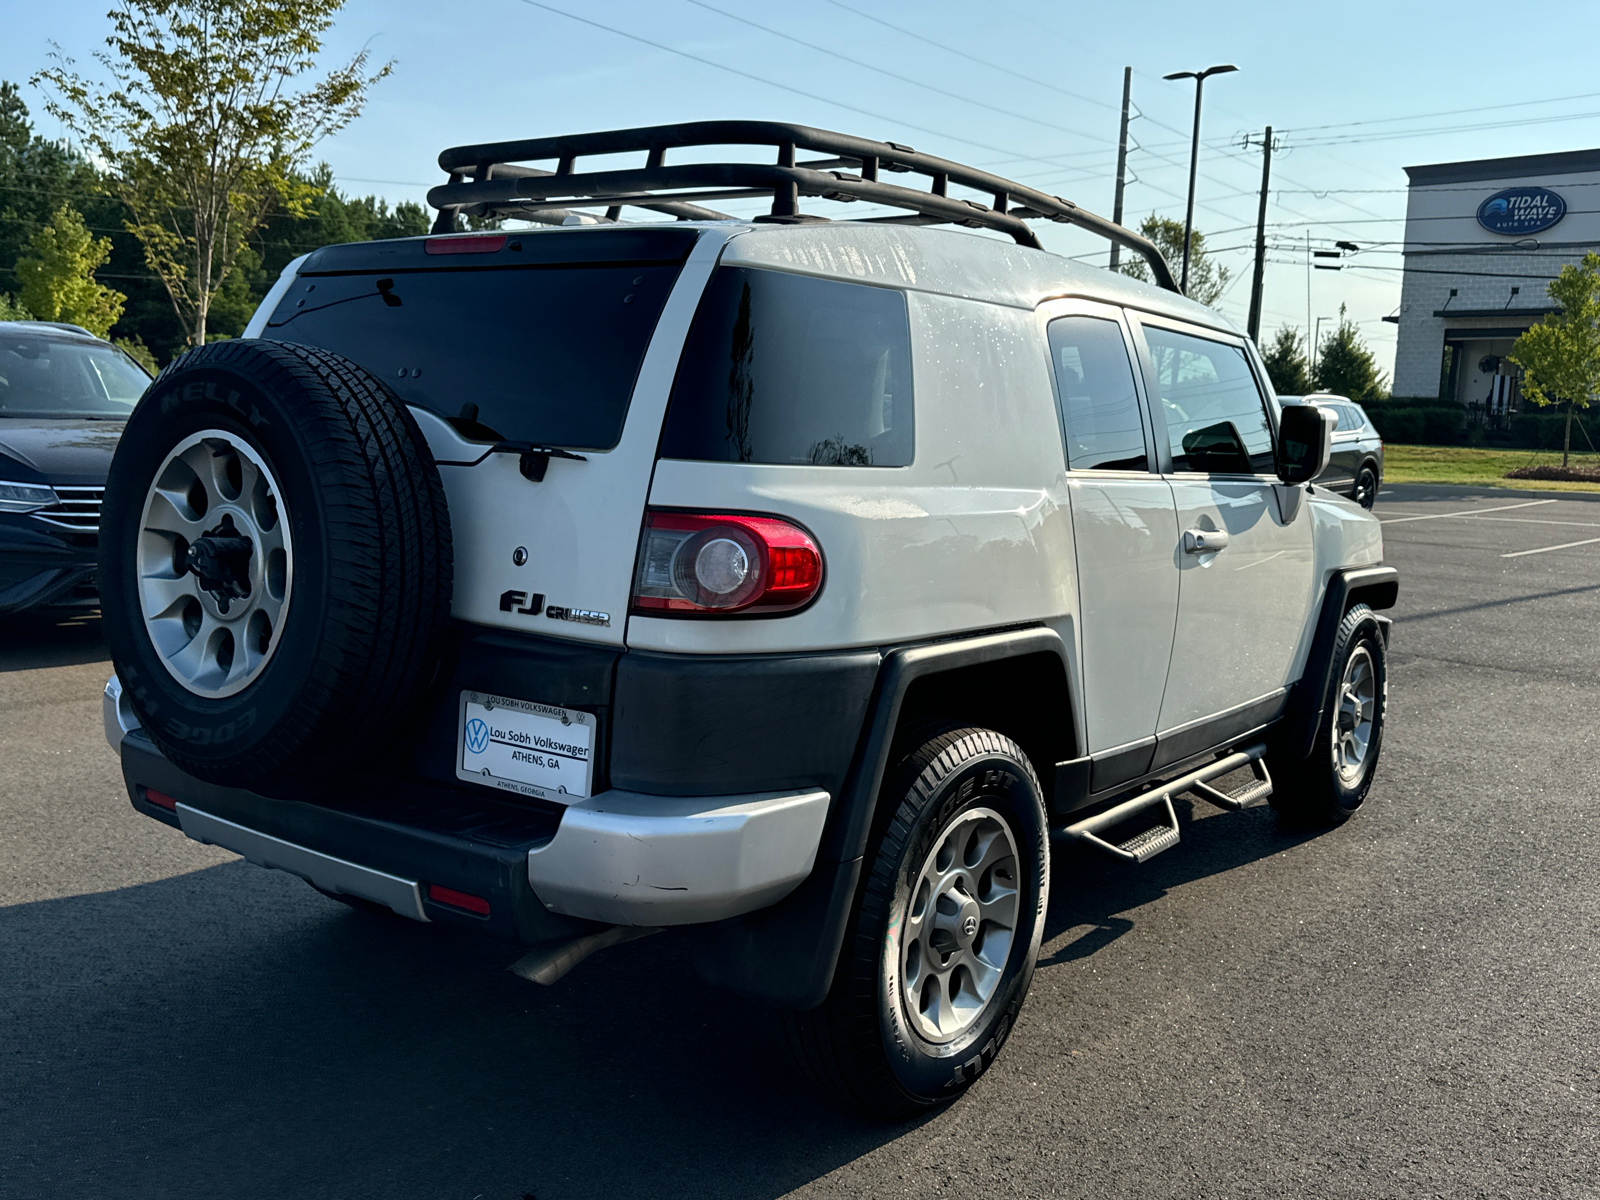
1365	491
945	933
1330	784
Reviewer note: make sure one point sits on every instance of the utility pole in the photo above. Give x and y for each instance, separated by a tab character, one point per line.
1254	322
1310	349
1122	161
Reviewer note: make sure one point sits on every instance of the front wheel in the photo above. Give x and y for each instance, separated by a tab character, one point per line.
944	935
1329	785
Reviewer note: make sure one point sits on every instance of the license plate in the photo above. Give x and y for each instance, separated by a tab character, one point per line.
527	748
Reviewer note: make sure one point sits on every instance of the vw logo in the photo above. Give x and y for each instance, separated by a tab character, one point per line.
477	736
969	926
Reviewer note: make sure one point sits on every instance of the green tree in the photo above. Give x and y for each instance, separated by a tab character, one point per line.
1560	356
1208	279
1346	367
57	277
1286	363
10	310
199	128
135	349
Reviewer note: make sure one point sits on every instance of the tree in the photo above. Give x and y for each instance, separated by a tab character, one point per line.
1286	365
199	131
1208	279
1346	367
1560	356
57	278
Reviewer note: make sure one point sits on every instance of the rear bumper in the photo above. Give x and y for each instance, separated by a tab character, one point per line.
620	858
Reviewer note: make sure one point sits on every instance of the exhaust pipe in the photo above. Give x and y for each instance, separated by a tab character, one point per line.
547	963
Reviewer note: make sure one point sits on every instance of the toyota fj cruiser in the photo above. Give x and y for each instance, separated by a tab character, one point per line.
786	583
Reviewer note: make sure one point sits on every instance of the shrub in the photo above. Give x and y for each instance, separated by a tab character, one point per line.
1435	426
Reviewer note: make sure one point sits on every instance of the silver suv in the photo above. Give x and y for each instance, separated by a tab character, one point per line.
784	584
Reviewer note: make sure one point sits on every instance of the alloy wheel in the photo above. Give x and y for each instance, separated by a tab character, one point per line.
1357	708
215	563
960	921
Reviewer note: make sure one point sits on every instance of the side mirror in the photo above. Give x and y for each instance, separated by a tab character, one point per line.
1305	440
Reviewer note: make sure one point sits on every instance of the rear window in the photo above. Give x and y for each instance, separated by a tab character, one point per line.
45	375
1105	431
548	352
789	369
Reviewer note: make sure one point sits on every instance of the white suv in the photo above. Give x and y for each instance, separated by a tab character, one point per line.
783	583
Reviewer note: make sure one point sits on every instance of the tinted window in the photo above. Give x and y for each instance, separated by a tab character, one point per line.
789	369
548	353
1215	418
42	375
1099	406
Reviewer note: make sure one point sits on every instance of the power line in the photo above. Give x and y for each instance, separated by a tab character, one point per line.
710	62
1449	112
943	91
973	57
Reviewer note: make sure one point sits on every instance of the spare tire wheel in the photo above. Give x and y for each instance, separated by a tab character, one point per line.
275	561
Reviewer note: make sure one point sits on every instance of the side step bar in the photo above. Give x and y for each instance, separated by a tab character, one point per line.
1163	835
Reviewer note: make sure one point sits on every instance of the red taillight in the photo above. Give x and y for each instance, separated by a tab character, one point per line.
479	243
461	900
719	563
160	799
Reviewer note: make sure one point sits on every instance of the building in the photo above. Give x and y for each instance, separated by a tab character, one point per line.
1482	240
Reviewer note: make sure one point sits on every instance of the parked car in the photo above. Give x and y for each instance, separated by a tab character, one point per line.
64	395
784	584
1355	466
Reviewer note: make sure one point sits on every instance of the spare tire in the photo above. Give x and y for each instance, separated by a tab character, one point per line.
275	561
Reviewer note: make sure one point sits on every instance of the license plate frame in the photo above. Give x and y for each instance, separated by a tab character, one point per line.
525	747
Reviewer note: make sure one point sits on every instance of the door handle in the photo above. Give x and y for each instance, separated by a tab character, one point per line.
1204	541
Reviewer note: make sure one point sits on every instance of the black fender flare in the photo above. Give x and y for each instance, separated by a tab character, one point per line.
785	955
1376	587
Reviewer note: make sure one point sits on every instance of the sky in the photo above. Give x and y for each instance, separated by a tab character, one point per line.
1354	92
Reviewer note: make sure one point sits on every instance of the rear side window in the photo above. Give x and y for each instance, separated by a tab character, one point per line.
1099	407
784	368
1216	421
548	353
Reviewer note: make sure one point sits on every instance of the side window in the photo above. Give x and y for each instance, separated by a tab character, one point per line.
783	368
1099	406
1216	421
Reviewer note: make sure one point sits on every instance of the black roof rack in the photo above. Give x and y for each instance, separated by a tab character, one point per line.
486	181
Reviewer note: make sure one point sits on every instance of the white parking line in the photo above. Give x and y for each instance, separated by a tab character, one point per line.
1547	549
1466	512
1543	521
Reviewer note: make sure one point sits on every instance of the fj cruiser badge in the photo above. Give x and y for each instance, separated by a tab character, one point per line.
583	616
521	602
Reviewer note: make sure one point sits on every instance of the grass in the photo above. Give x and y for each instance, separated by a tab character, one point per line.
1479	468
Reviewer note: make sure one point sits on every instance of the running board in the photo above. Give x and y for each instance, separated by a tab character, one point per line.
1163	835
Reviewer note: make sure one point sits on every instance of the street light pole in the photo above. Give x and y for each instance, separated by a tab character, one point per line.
1316	345
1199	78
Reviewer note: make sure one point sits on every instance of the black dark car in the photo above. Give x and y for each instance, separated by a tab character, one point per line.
64	396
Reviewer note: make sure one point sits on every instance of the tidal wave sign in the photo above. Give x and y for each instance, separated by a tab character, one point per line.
1520	211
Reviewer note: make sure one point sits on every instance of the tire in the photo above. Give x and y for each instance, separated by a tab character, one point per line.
296	631
1365	489
1327	787
873	1043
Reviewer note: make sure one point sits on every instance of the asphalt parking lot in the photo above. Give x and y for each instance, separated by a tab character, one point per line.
1402	1007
